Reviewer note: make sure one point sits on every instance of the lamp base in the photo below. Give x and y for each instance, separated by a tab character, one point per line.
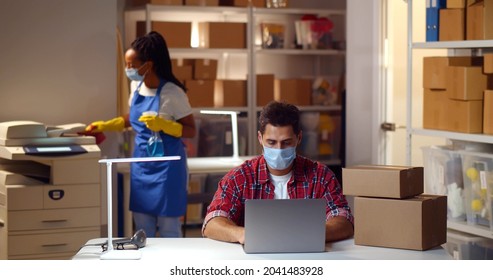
121	255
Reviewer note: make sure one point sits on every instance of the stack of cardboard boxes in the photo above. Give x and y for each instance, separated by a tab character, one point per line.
456	89
463	20
391	210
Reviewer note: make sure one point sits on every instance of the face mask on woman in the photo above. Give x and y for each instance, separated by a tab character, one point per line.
279	158
133	73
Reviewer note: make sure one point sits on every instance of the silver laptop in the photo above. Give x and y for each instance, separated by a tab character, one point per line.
284	225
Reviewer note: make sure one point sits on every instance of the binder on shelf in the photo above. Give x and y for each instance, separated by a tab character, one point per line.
432	18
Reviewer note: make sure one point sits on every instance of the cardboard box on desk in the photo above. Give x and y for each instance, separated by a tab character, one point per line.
417	223
382	181
176	34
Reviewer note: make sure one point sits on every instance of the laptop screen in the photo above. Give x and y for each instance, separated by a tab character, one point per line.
284	225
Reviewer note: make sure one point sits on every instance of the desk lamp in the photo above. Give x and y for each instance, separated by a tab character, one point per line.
234	127
111	253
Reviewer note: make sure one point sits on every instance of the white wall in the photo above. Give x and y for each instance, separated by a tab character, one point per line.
362	60
58	60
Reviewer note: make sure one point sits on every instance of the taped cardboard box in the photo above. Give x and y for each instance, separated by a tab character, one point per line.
435	69
383	181
418	223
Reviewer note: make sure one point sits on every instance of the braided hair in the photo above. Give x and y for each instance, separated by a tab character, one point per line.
153	47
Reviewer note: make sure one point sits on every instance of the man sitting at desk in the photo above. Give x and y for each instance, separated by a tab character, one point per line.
276	174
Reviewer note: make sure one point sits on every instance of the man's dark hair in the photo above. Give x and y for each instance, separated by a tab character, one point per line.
280	114
153	47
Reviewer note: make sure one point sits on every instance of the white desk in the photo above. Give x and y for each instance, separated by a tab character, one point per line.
196	165
200	249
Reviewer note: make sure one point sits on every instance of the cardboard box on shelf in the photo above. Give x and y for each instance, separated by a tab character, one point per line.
230	93
456	4
466	83
452	25
182	69
479	22
222	35
156	2
243	3
488	112
488	63
435	69
383	181
294	91
176	34
265	89
464	116
204	69
200	93
201	2
417	223
434	111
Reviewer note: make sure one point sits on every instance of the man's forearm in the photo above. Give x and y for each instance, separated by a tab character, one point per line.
220	228
338	228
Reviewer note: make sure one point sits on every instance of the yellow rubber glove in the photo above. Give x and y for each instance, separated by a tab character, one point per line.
116	124
156	123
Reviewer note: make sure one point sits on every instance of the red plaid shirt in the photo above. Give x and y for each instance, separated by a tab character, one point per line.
251	180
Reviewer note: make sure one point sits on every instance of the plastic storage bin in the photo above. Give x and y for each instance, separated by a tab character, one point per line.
478	186
443	176
216	138
464	246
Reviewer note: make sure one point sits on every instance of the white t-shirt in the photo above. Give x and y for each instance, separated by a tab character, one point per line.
281	185
173	100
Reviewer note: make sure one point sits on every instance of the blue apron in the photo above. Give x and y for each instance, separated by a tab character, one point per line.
157	188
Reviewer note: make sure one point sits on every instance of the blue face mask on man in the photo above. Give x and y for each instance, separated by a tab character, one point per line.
279	159
133	74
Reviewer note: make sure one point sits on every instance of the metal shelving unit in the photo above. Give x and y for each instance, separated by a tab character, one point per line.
410	130
250	54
